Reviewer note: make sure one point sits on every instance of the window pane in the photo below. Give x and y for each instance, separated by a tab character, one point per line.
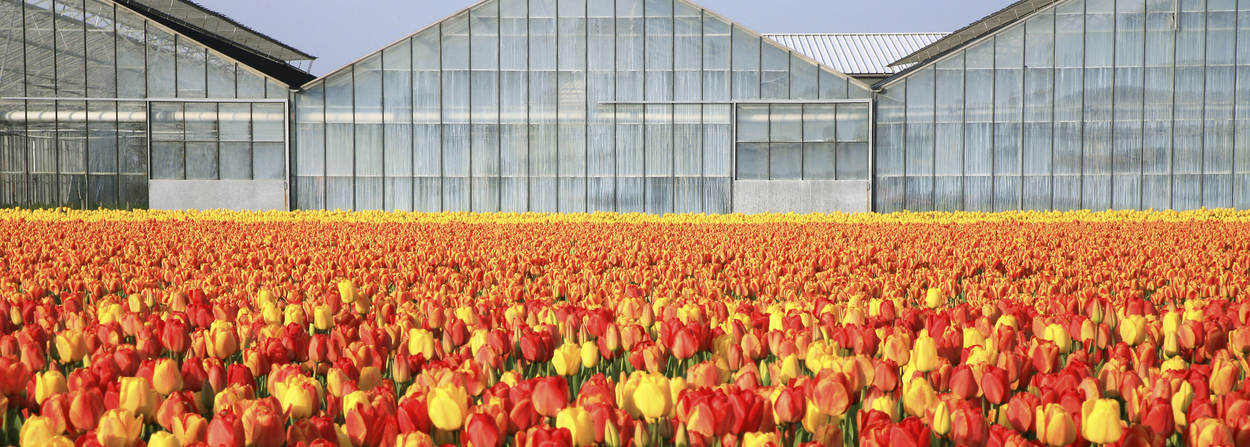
752	161
753	123
818	161
786	123
786	161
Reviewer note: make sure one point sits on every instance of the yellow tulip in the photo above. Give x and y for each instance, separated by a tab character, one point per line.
421	341
1100	421
942	419
933	298
918	397
590	354
1181	399
48	383
924	356
760	439
166	376
323	319
1055	426
1059	336
119	428
448	406
221	341
163	439
653	397
579	423
1133	329
347	291
37	431
137	397
567	359
70	346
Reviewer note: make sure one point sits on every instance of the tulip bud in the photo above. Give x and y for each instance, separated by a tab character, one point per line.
48	383
924	356
323	318
1181	399
137	397
37	431
1100	421
1133	329
653	397
590	355
163	439
933	298
448	406
167	376
941	419
190	428
221	341
70	346
347	291
119	428
567	359
1055	426
579	424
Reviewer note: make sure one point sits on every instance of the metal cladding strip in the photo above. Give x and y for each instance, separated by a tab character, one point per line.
858	54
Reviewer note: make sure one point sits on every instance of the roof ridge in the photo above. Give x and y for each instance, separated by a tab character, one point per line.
856	34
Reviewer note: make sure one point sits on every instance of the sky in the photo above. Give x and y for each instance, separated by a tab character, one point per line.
340	31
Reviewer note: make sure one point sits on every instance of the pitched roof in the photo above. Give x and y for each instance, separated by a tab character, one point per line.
858	53
985	25
223	34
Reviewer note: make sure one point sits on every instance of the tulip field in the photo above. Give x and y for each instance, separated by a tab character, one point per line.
214	328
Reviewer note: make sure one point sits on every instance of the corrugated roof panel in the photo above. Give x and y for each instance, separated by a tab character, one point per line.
859	53
1002	17
195	16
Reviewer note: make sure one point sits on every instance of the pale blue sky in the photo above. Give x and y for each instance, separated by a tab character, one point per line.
339	31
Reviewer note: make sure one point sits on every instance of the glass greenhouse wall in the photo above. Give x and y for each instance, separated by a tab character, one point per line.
574	105
89	89
1093	104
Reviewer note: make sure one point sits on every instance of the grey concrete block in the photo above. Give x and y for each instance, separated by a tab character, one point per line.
800	196
240	195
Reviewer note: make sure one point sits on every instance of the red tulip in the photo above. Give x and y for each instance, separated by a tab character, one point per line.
226	429
310	430
789	405
968	427
551	394
545	437
263	424
994	384
482	431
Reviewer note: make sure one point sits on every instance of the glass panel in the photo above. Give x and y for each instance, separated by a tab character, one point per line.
753	123
160	63
101	70
818	161
818	123
484	24
131	71
775	76
71	76
852	161
785	161
221	74
786	123
746	64
191	69
269	160
752	161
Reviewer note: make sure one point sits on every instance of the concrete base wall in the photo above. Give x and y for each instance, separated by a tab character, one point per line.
800	196
256	195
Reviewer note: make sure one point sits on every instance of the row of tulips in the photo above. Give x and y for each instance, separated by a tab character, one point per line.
340	329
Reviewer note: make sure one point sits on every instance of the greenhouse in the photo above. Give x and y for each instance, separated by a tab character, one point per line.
655	106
